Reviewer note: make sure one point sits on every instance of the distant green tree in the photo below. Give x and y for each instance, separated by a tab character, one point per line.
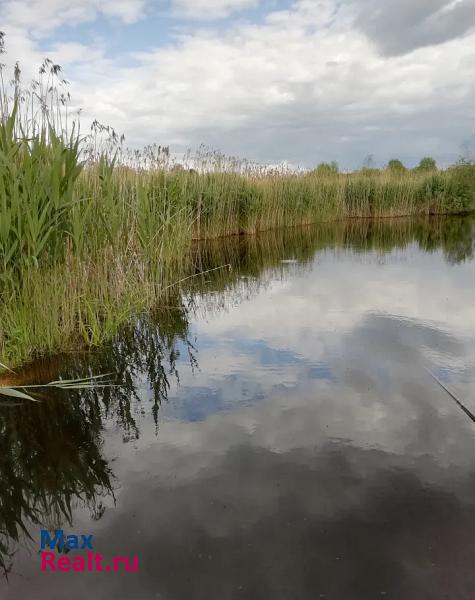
327	168
396	166
427	164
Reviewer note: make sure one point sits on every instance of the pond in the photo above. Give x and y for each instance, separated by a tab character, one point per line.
277	429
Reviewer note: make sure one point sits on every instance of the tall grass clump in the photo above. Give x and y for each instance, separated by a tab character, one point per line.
40	165
83	242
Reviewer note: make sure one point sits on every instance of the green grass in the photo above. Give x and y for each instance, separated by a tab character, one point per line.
90	234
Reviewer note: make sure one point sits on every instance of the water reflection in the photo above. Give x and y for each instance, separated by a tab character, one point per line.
304	451
50	459
51	452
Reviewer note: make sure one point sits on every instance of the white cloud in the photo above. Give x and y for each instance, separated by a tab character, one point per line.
40	16
211	9
304	85
295	89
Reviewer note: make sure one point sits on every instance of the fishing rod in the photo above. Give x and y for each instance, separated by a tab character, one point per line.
454	398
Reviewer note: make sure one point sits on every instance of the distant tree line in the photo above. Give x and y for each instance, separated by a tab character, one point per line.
425	165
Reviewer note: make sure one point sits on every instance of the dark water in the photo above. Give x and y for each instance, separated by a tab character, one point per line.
275	432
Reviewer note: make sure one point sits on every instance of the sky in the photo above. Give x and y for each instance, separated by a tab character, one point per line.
273	81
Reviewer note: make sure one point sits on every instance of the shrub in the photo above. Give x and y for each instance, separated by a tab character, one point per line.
396	166
427	164
327	168
461	192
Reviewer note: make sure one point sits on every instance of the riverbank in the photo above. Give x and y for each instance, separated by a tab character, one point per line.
81	302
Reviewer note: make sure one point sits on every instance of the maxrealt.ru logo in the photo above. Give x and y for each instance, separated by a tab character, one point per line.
92	562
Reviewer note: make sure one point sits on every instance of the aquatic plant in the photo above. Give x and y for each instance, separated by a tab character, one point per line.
27	392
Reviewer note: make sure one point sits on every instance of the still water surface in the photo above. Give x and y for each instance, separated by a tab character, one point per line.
275	432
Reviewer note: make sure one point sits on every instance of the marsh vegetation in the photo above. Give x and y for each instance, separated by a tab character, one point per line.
91	233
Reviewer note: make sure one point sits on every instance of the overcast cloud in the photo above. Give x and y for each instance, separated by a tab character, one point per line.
271	80
399	26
